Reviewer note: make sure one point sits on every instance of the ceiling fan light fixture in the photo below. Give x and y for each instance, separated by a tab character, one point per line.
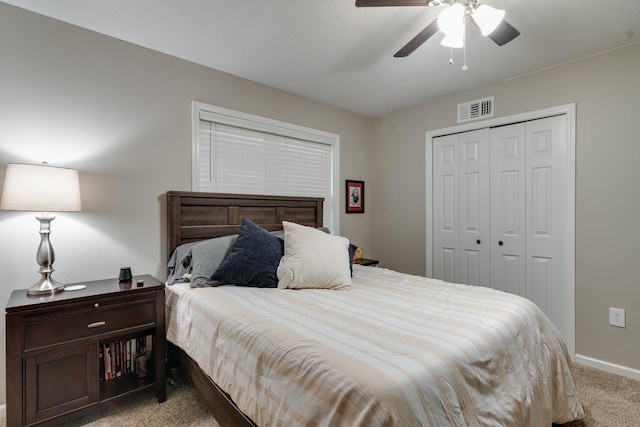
453	40
451	19
452	22
487	18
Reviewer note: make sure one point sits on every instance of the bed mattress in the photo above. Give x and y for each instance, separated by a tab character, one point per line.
394	350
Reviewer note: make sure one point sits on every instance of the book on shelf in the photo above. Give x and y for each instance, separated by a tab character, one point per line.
118	352
125	357
101	361
112	357
127	350
107	361
133	350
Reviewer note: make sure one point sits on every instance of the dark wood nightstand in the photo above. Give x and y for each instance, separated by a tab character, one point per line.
367	262
55	369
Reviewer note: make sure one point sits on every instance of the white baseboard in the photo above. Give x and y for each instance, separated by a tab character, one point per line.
634	374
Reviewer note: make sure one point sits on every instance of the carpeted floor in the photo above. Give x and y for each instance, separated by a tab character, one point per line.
609	401
182	408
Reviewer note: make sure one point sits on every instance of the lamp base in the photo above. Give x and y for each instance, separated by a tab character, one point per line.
45	286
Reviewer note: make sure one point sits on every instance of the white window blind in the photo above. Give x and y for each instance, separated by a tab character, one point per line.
251	155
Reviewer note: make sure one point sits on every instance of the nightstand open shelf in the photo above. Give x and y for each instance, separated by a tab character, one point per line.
123	385
55	370
127	380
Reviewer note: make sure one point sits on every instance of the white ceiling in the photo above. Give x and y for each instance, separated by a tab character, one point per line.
332	52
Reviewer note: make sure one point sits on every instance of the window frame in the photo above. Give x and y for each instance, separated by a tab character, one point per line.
263	124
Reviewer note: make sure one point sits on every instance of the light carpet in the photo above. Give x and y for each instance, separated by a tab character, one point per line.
609	400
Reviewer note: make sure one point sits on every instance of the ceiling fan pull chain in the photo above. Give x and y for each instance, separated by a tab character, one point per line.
464	50
450	56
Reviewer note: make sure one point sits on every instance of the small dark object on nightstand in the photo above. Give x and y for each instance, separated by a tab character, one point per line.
125	274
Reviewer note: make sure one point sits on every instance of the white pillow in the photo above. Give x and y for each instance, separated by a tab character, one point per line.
313	259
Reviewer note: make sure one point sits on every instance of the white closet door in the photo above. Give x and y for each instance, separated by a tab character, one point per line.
546	145
474	225
508	203
446	232
461	208
528	214
528	245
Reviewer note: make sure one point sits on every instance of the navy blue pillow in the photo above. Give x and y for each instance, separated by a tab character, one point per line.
254	258
352	253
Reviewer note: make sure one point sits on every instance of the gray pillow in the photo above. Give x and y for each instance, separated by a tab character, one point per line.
180	264
278	233
206	257
197	261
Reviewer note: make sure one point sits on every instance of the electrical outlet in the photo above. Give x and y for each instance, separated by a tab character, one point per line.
617	317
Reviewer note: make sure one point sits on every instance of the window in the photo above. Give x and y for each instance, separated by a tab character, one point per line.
234	152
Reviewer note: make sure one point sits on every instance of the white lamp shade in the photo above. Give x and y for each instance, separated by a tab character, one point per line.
453	40
451	20
487	18
40	188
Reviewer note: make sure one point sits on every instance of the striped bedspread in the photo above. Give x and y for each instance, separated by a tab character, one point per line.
395	350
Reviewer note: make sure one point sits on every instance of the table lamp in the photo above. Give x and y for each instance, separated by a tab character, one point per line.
42	188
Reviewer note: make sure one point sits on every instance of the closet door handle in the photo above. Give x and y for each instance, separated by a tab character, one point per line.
478	241
500	243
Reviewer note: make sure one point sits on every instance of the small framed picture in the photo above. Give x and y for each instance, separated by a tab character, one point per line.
355	196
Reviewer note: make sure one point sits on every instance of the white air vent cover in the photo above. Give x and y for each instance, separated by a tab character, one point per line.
474	110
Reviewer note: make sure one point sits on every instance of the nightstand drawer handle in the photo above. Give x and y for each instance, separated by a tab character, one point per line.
96	324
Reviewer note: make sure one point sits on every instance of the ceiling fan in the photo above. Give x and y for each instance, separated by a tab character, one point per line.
451	21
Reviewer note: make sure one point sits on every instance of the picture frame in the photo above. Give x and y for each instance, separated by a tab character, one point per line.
354	196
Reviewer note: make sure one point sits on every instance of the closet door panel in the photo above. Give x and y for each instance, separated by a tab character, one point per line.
541	282
508	199
546	144
446	233
510	273
474	208
471	266
447	265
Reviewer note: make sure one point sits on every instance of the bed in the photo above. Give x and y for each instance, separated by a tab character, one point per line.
389	349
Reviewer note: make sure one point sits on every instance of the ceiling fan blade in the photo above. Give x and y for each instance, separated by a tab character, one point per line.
503	34
386	3
417	41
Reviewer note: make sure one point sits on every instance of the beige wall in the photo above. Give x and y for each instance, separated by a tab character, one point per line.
606	91
121	115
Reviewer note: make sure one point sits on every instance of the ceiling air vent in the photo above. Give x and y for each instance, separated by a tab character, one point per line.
474	110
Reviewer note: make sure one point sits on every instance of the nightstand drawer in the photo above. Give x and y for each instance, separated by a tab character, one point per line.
74	325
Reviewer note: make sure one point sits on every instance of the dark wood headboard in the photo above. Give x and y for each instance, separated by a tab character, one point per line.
193	216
